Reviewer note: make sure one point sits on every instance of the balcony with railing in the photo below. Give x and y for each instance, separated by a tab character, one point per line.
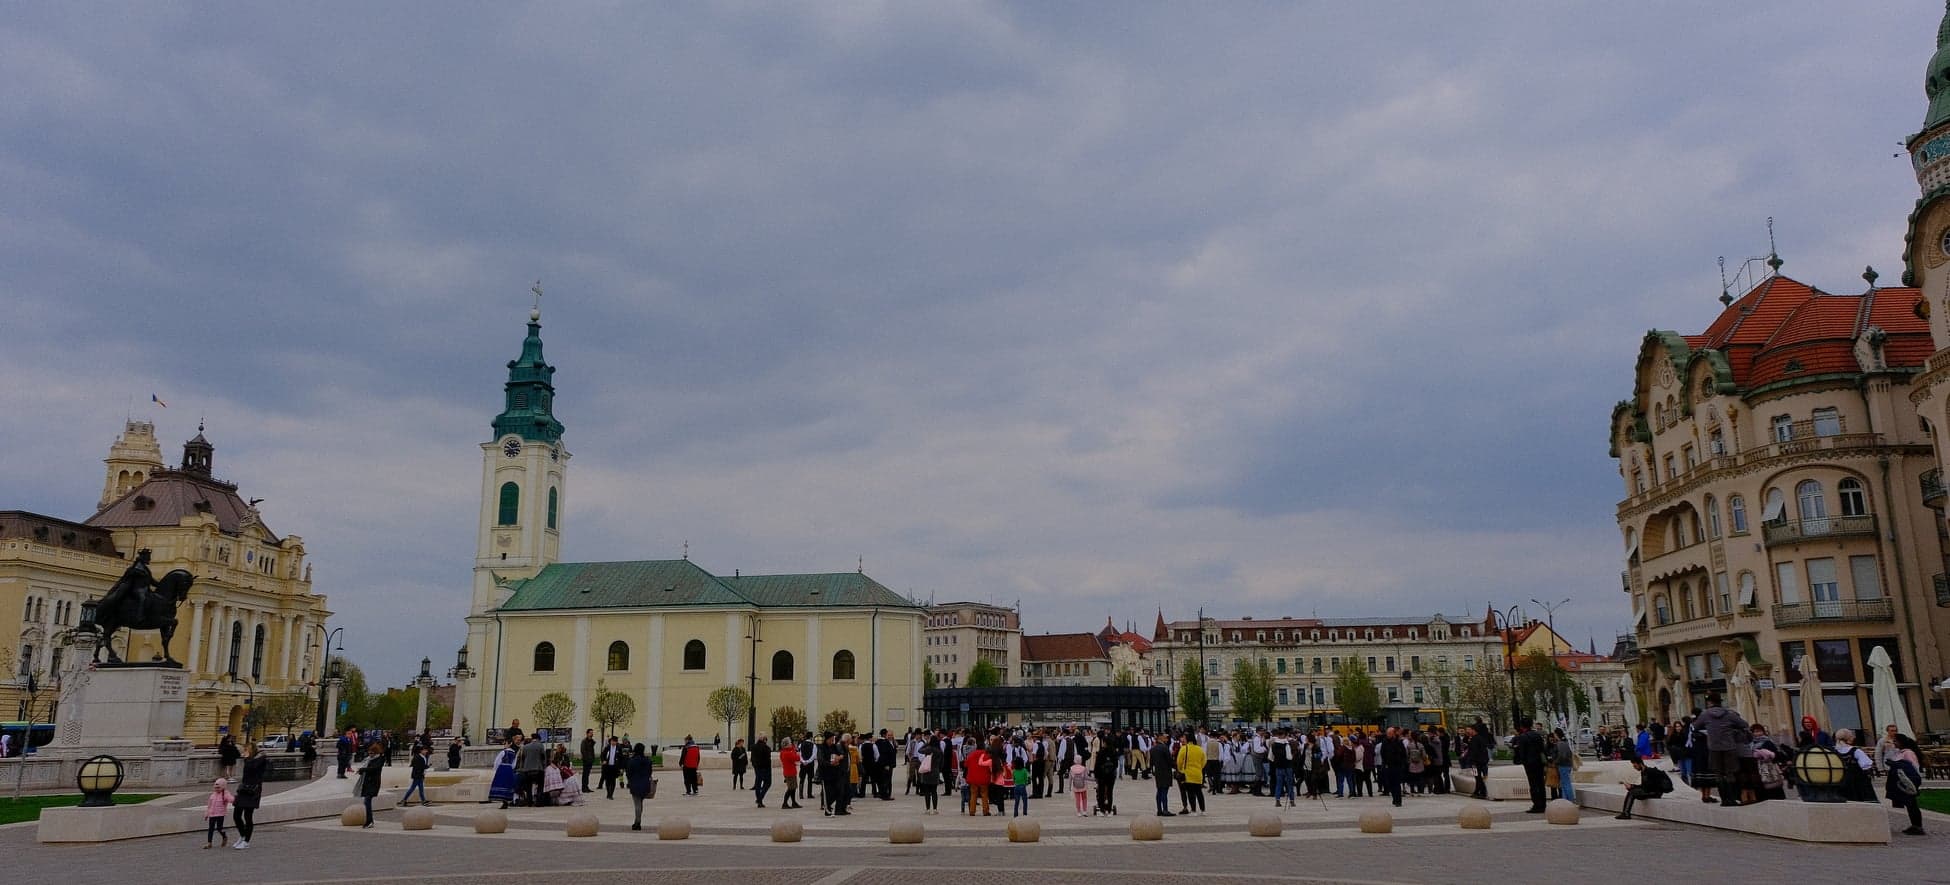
1803	437
1798	613
1794	531
1932	484
1942	590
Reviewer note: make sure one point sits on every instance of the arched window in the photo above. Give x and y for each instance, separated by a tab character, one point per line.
1662	609
1747	590
782	666
1712	518
619	656
694	654
510	504
842	664
1685	601
1854	501
551	507
1776	509
236	644
257	654
544	657
1813	507
1737	513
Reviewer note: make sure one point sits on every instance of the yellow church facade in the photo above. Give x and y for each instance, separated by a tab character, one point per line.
666	633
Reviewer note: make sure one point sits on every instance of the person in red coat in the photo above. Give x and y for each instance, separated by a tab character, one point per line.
688	760
975	769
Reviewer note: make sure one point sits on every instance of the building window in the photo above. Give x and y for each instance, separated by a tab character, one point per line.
1828	422
619	656
257	653
1712	517
236	644
1737	513
1418	694
1863	574
1716	443
1776	508
1282	700
842	664
694	654
1371	668
1281	668
1662	609
1822	586
1747	596
1672	467
1638	481
1394	694
510	504
551	507
544	657
782	666
1787	585
1854	502
1414	663
1317	665
1813	507
1725	593
1692	458
1783	426
1391	664
1685	601
1212	666
1469	662
26	668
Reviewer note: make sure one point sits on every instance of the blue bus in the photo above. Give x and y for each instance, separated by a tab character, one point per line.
25	737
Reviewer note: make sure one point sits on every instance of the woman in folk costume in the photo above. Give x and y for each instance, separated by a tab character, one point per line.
502	788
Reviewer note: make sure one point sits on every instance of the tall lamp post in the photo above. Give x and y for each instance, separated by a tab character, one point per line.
250	703
1504	623
751	697
327	672
335	677
1550	619
460	674
424	682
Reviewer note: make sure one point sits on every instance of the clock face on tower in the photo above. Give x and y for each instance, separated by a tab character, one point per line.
511	448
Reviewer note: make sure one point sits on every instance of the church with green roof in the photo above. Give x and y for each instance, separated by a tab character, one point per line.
664	632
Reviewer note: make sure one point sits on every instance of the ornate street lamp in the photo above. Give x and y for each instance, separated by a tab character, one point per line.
98	779
1820	770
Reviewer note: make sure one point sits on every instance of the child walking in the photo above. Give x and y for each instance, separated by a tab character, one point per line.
1080	786
1020	777
216	810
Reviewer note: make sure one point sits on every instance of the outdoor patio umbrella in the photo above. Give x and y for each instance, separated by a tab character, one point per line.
1682	700
1631	705
1884	699
1740	692
1811	688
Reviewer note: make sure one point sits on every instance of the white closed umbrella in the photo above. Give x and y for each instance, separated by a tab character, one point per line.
1811	700
1631	705
1884	699
1740	691
1682	700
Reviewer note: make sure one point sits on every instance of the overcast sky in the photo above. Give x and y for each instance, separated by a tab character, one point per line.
1279	309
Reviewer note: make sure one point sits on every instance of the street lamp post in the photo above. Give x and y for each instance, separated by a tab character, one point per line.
326	673
751	697
460	674
333	681
250	703
1507	629
423	682
1550	619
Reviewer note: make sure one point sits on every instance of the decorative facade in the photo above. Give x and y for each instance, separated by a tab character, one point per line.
251	626
665	632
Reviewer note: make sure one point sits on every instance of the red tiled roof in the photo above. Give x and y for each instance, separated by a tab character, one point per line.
1783	328
1064	647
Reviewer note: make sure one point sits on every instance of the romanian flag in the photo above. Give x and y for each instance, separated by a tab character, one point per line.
158	401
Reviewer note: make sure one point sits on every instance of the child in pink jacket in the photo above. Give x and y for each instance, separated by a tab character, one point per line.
216	810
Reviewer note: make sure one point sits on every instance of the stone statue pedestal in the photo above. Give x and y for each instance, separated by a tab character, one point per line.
124	711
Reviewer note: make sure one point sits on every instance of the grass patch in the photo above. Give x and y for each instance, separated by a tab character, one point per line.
1935	800
26	808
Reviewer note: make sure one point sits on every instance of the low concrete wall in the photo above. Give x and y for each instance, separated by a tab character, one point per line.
1507	782
1851	822
325	798
55	771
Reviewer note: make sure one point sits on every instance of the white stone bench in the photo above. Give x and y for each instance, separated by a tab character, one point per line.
1854	822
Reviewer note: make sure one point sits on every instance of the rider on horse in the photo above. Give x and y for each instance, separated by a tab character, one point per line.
136	583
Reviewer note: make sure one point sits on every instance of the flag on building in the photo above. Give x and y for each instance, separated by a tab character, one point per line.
158	401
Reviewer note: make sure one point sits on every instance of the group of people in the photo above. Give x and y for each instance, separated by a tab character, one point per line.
529	772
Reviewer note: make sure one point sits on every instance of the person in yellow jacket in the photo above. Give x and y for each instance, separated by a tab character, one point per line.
1191	768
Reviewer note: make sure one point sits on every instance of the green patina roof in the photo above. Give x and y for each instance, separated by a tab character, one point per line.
1936	80
665	583
528	398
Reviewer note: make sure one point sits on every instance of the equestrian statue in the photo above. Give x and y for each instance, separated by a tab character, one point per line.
140	602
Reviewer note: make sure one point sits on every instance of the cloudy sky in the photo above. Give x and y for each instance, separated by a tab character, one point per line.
1279	309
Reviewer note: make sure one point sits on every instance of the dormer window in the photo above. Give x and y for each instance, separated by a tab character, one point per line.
144	502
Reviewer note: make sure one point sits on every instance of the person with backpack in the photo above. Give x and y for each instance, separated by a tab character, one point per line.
929	763
1280	756
1652	784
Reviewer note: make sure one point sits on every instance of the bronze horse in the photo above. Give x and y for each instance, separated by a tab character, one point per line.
143	609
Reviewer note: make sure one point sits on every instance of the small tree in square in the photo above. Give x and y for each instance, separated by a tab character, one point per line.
787	723
838	722
610	708
728	705
553	710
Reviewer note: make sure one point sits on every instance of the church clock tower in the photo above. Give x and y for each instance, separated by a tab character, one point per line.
523	468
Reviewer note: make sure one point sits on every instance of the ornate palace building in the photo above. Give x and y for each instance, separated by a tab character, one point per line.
665	632
250	626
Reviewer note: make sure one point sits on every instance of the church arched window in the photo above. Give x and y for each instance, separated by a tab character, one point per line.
257	654
510	504
782	667
694	655
619	656
842	664
236	644
551	507
544	657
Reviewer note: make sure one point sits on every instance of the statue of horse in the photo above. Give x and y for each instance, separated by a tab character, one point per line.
143	609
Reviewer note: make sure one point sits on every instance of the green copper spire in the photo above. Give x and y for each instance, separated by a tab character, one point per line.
1936	81
529	394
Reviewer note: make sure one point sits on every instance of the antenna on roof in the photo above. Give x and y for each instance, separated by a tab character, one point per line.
687	550
862	567
1773	255
1726	297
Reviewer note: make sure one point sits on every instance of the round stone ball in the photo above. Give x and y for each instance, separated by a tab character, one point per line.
417	819
788	831
906	832
1473	817
491	822
672	829
1022	829
582	824
1264	823
1561	811
1147	828
353	816
1377	821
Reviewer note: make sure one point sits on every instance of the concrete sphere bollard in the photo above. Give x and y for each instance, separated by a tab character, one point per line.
1147	828
1264	823
1377	821
582	824
673	829
491	822
1474	817
906	832
417	819
788	831
353	816
1023	829
1561	811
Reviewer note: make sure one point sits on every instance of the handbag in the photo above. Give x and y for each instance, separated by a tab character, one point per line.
1771	775
1903	783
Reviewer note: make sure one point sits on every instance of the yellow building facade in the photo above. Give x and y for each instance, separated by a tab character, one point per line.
666	633
251	613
